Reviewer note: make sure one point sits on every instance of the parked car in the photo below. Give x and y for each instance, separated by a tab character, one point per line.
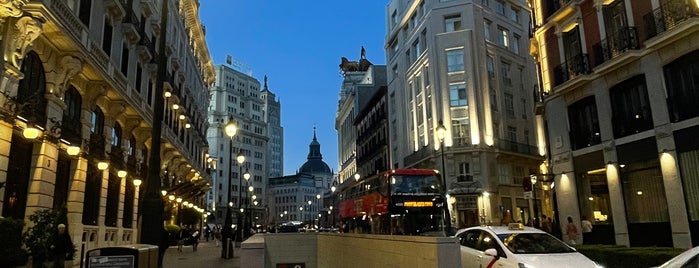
516	246
686	259
288	229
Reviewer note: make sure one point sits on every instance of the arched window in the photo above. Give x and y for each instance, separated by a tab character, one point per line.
31	89
71	126
116	135
97	121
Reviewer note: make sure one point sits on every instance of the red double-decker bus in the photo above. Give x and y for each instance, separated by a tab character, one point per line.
398	201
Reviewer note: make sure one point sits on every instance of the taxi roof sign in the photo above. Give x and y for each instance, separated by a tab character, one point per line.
515	226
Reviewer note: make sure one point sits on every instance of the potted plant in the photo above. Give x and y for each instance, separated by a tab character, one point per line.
40	236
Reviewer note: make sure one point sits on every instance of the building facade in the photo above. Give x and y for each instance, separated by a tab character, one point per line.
361	80
237	97
616	105
372	135
464	65
78	101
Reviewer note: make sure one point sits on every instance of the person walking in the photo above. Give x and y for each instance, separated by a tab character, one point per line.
545	223
62	247
217	236
571	231
195	240
586	227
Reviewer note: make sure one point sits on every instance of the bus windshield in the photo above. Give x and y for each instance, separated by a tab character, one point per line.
415	184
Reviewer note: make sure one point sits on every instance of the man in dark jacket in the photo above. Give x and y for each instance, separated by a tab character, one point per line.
62	247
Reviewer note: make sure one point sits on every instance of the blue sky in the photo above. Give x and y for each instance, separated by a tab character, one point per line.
298	45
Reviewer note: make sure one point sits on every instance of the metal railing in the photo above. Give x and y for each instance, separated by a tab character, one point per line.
567	70
670	14
615	44
516	147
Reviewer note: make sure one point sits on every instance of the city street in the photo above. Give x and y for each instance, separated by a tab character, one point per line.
207	255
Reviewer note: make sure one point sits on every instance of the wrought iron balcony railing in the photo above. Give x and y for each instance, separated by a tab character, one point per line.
670	14
615	44
577	65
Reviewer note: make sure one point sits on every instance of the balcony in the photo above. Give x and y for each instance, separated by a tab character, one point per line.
578	65
670	14
516	147
130	27
68	19
623	40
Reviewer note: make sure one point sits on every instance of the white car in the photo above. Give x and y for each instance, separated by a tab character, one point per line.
516	246
686	259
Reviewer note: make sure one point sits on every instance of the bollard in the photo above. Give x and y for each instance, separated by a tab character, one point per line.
228	252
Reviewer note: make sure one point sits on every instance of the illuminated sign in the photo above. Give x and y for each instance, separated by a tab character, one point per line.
417	203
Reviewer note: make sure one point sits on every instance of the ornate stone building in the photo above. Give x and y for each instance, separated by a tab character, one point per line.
617	102
77	109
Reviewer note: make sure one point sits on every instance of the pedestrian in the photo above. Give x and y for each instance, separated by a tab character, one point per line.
586	227
195	240
181	237
217	236
62	247
545	223
571	231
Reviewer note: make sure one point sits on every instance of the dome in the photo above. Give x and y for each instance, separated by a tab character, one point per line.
315	166
315	162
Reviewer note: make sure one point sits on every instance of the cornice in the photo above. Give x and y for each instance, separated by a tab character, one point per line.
190	10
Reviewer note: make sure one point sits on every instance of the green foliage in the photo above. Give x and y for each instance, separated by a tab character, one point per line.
12	253
172	229
189	216
628	257
39	237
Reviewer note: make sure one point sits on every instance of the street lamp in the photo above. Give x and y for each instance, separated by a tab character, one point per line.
441	134
532	177
240	158
332	189
227	233
356	176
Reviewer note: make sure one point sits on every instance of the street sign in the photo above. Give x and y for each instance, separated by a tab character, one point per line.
528	195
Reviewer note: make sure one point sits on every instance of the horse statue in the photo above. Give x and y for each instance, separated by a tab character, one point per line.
348	66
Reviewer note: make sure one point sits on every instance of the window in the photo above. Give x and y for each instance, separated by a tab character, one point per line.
506	79
485	3
138	79
464	173
631	111
452	23
107	37
489	66
493	100
504	41
514	14
512	134
486	30
682	80
394	19
416	49
504	174
97	121
455	60
509	105
500	7
84	12
524	108
460	131
584	123
458	95
116	135
414	20
124	59
515	44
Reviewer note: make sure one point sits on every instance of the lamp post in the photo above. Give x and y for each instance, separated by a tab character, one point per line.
441	134
310	216
247	219
227	233
332	189
241	222
532	177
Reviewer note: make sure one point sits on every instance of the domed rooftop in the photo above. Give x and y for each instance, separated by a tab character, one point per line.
315	162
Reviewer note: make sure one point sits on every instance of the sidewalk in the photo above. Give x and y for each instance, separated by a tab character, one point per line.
207	255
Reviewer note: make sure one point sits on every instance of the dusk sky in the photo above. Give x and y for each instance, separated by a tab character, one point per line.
298	45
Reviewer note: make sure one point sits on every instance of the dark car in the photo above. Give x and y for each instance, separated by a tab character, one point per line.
288	229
